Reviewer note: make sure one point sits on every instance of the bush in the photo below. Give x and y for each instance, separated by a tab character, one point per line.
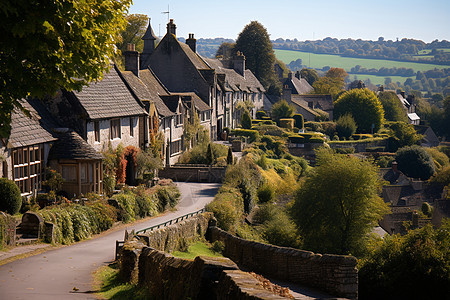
384	161
299	121
226	208
260	114
168	196
246	120
253	135
281	110
314	126
127	203
415	162
10	199
287	123
345	126
265	193
218	246
361	136
349	150
439	158
427	209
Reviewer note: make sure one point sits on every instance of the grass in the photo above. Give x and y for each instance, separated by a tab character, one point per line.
109	286
318	61
378	79
197	249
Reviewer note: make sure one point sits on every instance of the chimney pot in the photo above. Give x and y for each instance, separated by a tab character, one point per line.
192	42
131	47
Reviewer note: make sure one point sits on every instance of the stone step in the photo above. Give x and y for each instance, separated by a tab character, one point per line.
26	241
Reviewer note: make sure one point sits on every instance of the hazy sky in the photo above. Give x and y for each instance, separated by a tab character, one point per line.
426	19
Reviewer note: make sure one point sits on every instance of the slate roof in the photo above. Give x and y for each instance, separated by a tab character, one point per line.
323	102
303	104
71	146
108	98
237	82
189	98
149	34
196	60
147	87
299	86
171	101
27	131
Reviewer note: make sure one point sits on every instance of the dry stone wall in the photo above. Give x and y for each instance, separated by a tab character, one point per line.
335	274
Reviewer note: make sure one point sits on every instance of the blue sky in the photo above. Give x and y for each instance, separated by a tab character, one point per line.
426	20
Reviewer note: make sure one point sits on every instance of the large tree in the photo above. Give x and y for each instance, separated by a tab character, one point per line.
49	45
310	75
133	32
338	205
364	107
332	83
254	43
415	162
393	108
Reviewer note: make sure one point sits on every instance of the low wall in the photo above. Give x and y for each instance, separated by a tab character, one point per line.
168	277
188	173
7	230
177	236
335	274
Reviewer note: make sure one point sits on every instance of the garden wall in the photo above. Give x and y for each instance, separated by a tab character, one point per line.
7	230
335	274
188	173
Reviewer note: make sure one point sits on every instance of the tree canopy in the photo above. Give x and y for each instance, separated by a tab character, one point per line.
393	109
310	75
415	162
364	107
338	205
133	32
254	43
281	110
51	45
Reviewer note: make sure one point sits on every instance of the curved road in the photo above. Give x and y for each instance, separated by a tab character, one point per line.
55	273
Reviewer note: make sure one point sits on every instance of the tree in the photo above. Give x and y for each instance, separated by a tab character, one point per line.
365	108
209	155
404	134
415	162
254	43
346	126
338	204
413	266
246	120
336	73
310	75
10	199
51	45
329	85
282	110
393	109
229	156
226	50
134	31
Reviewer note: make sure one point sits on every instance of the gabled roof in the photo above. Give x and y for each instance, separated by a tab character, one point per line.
236	82
147	87
323	102
172	101
26	131
298	86
71	146
108	98
303	104
196	60
149	34
193	98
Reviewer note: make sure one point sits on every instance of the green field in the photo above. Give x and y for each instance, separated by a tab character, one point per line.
318	61
378	79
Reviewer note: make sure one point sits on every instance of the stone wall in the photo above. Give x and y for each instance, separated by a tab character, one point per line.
335	274
7	230
193	173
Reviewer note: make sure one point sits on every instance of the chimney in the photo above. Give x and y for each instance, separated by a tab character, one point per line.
290	75
132	60
192	42
239	63
287	93
395	167
297	74
172	28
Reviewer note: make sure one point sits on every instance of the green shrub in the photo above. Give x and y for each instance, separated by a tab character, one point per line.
262	162
329	128
246	120
427	209
348	150
314	126
384	161
318	140
225	210
299	121
260	114
168	196
253	135
287	123
375	149
281	110
218	246
265	193
439	158
10	199
296	139
127	203
345	126
361	136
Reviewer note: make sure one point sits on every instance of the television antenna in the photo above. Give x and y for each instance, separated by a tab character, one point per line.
167	13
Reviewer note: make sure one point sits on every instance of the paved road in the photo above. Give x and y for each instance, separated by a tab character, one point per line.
54	274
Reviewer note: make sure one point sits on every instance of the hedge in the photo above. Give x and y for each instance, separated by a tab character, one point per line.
287	123
253	135
361	136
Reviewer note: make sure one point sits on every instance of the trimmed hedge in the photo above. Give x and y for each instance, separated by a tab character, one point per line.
361	136
287	123
253	135
10	199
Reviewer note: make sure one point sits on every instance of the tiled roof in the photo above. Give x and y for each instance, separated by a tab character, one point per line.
148	88
149	34
196	60
301	86
171	101
323	102
71	146
237	82
199	104
303	104
109	98
27	131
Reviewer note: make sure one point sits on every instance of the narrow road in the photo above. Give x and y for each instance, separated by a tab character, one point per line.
54	274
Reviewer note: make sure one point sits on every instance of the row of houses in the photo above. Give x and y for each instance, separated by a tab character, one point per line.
160	89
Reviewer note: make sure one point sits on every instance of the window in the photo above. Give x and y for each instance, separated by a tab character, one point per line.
97	131
69	173
176	147
27	169
114	129
131	126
